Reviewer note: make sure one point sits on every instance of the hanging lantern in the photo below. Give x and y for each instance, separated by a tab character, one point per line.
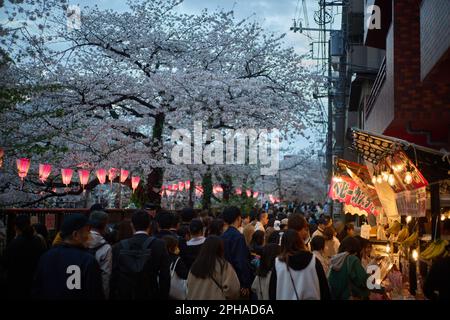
181	185
175	187
66	176
84	177
112	174
249	193
415	255
255	194
123	175
379	178
2	154
23	164
101	175
408	174
187	184
391	178
374	179
169	187
135	182
238	191
44	171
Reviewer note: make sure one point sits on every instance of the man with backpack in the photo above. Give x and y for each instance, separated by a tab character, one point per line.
99	247
140	264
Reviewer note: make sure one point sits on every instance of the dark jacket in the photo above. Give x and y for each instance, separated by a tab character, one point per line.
20	260
157	267
165	232
181	270
438	279
55	273
237	253
297	262
189	251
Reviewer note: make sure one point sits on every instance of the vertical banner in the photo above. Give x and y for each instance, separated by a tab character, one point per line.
50	221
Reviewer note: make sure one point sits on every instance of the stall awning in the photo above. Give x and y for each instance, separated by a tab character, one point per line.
433	165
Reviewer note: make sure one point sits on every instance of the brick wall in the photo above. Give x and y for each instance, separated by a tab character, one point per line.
434	33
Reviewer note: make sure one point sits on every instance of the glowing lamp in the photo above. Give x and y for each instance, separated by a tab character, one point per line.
123	175
112	174
249	193
135	182
181	185
238	191
84	177
415	254
408	177
44	171
23	164
255	194
66	176
187	184
101	175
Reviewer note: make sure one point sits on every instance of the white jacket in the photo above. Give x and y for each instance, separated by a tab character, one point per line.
306	282
104	258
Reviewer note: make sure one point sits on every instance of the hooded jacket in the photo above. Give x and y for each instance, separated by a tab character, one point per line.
103	254
308	278
347	277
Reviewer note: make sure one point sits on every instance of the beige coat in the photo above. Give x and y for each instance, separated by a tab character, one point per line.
207	289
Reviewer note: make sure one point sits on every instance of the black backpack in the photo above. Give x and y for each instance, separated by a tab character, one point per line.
134	281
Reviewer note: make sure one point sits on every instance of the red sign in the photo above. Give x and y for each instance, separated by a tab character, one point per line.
50	221
347	191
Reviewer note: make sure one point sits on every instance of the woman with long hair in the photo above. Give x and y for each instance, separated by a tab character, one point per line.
297	275
260	285
211	277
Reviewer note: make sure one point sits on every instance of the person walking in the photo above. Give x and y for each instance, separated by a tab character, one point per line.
318	250
99	247
260	285
191	249
297	222
236	250
68	271
212	277
347	277
297	274
21	258
140	264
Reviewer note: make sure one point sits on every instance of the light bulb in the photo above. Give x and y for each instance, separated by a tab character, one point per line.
374	179
379	179
442	217
408	219
408	177
415	254
391	179
385	176
388	248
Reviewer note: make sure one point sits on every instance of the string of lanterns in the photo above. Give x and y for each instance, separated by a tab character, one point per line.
387	173
23	166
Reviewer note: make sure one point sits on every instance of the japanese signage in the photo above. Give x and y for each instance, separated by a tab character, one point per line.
412	203
347	191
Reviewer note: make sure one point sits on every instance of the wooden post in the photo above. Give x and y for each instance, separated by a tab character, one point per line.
435	211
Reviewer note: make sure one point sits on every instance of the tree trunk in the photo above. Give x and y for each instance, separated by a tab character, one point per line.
207	190
227	187
155	177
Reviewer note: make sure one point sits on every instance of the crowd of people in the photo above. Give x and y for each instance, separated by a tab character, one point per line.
263	255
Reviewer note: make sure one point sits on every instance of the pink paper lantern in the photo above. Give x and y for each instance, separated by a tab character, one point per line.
255	194
135	182
84	177
23	164
112	174
181	185
175	187
66	176
123	175
187	184
101	175
238	191
44	171
169	187
249	193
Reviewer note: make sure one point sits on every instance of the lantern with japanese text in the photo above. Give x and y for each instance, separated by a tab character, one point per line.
84	177
135	182
101	175
23	164
44	171
66	176
123	175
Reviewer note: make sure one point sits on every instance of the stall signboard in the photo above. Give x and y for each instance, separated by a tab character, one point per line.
346	190
412	202
50	221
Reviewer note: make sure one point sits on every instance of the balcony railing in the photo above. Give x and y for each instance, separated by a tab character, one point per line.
376	88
